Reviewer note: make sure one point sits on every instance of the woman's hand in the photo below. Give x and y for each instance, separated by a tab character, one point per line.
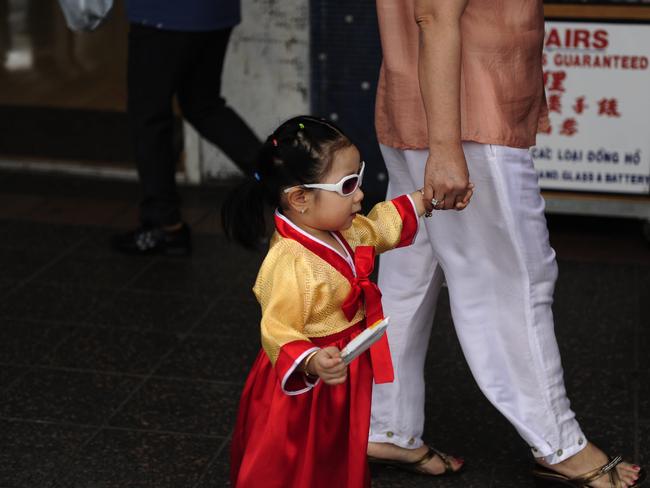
421	203
446	179
328	365
462	204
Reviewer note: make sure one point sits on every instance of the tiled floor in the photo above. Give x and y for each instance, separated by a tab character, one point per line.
122	372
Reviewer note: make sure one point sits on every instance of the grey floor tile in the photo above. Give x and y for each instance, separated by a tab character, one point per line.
40	237
233	317
9	374
192	277
218	473
94	263
32	454
116	350
240	290
390	477
205	247
25	343
643	326
231	275
601	392
5	286
643	456
181	406
219	358
228	254
127	459
162	312
65	396
237	261
90	271
642	385
611	348
642	353
18	264
514	476
51	303
591	294
596	313
478	434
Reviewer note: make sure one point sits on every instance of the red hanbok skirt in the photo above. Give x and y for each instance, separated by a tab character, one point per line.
312	440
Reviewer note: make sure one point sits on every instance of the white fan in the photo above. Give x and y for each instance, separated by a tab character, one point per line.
364	340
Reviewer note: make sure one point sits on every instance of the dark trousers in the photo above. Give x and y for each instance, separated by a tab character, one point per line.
162	64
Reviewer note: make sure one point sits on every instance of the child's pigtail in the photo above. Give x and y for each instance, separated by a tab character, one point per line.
242	214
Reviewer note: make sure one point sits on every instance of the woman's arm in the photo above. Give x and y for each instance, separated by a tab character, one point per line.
446	176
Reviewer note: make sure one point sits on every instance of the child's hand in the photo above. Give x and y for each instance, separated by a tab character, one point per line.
468	195
329	366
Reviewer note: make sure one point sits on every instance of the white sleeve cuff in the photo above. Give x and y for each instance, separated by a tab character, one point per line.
417	217
292	370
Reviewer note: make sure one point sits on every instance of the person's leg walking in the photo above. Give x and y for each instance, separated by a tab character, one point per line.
154	67
203	106
398	407
501	271
155	64
410	280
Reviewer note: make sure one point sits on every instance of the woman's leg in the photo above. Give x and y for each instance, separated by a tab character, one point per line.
501	272
410	281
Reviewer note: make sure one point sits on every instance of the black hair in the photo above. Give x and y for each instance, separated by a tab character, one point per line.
299	152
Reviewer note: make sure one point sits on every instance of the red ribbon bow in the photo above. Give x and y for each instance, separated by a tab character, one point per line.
364	290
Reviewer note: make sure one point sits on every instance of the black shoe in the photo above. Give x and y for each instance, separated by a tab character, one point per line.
154	240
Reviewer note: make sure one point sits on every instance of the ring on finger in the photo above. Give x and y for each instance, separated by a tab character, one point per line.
436	203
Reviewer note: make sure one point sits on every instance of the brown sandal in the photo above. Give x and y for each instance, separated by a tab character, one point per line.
546	477
416	466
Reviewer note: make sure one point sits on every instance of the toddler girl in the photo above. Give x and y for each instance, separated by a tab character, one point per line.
304	415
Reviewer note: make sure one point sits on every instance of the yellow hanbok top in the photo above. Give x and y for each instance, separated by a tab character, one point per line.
303	282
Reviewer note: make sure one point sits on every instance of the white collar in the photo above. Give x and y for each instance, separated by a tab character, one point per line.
348	259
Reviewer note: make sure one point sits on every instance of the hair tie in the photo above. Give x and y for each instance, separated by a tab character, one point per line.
275	142
257	176
301	126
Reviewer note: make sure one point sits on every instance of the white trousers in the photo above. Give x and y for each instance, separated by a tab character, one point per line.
500	271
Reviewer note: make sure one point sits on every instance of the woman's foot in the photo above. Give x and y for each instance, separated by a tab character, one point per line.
391	452
589	459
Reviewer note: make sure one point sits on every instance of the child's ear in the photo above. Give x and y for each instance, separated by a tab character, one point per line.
298	199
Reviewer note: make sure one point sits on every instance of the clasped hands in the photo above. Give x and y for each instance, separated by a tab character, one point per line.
446	182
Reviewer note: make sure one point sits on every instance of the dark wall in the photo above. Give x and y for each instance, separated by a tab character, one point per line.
346	56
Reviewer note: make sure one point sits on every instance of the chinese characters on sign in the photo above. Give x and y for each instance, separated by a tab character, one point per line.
596	78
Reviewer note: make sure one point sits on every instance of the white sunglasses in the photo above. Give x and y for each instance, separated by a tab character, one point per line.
345	187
